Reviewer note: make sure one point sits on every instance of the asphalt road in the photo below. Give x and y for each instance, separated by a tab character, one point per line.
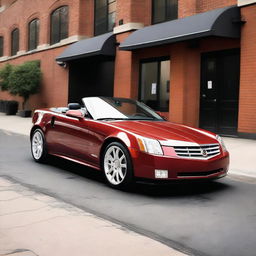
213	219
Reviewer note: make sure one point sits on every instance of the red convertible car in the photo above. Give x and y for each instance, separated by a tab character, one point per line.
127	140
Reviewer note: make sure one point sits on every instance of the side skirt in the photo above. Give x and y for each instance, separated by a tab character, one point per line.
77	161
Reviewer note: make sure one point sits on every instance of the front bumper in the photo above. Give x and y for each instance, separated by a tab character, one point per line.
179	168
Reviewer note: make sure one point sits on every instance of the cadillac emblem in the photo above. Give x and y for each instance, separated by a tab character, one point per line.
204	153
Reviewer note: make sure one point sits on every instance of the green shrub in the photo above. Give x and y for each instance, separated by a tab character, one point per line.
5	72
24	80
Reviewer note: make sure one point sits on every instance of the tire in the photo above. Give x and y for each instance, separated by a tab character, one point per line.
117	166
38	146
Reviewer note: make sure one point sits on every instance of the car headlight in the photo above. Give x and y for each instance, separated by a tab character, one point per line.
150	146
220	140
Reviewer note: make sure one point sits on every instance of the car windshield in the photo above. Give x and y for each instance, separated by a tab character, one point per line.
104	108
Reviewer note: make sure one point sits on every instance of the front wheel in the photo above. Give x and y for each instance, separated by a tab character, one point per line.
38	146
117	165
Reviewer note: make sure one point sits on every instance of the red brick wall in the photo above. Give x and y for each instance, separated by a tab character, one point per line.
54	86
184	75
207	5
54	90
247	106
186	8
134	11
141	10
126	72
86	18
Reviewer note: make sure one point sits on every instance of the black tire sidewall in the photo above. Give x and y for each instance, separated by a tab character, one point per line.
43	157
127	182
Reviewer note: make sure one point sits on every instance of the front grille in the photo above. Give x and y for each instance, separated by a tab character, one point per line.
198	174
198	152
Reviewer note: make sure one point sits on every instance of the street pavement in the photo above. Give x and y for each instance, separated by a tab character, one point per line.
216	219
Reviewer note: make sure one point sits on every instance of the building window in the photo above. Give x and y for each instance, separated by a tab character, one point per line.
33	34
155	84
15	42
105	16
1	46
59	24
164	10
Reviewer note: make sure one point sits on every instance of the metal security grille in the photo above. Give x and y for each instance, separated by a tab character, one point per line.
198	152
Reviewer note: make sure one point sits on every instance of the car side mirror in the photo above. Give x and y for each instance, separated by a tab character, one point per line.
74	106
75	113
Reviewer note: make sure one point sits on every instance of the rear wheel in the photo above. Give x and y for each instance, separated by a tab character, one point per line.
117	165
38	146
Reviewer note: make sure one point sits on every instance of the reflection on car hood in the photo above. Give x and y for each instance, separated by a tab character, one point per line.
166	131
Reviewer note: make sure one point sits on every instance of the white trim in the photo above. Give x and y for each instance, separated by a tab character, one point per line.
43	47
127	27
3	58
2	8
22	52
245	2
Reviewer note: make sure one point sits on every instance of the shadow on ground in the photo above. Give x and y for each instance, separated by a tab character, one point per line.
180	189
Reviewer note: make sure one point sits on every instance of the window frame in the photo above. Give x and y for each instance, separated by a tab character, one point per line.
151	60
13	52
59	37
36	34
165	18
107	17
1	48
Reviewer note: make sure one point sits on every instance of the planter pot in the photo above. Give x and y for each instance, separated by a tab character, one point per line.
25	113
11	107
3	105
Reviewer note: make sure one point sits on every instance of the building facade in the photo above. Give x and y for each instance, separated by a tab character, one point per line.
192	60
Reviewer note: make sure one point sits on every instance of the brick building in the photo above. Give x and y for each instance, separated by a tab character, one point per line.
193	60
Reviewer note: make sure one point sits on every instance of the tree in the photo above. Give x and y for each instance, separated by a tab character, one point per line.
5	72
24	80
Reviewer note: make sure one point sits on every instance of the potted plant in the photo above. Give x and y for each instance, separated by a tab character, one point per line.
24	80
11	107
5	72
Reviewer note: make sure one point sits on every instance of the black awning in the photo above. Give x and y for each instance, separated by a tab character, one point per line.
98	45
222	22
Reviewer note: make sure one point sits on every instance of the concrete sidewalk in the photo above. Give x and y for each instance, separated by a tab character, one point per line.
35	224
242	151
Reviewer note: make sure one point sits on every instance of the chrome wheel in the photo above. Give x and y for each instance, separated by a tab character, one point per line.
115	165
37	145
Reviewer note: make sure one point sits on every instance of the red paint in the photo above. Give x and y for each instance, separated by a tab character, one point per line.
81	140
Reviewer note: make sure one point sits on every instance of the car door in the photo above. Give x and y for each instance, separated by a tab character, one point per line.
68	136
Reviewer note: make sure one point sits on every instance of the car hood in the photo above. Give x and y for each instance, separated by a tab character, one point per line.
164	130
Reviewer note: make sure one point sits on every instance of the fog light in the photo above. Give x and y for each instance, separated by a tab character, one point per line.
161	174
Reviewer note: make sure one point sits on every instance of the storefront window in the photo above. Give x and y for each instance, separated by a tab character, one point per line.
105	16
164	10
155	84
